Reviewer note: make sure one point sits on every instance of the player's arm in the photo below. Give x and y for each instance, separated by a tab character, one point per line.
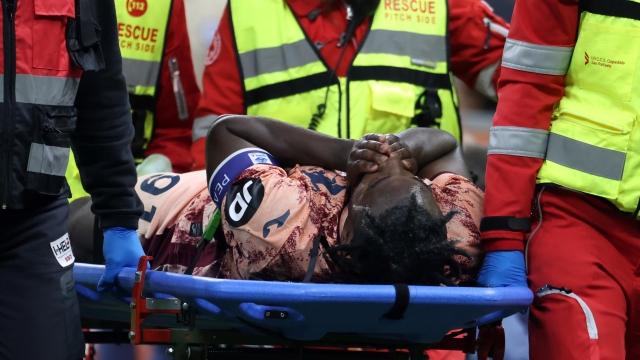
435	151
536	57
288	144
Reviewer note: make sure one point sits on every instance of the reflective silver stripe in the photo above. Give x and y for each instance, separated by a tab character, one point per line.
584	157
51	160
201	126
484	84
591	321
44	90
279	58
419	47
518	141
140	72
540	59
496	28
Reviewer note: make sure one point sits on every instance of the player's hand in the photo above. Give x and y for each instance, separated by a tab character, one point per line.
371	151
365	156
398	148
121	248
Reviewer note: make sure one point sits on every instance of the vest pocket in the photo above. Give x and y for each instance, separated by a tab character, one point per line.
50	149
392	107
612	133
605	58
48	35
588	153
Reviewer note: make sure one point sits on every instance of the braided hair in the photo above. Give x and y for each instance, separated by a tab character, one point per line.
405	244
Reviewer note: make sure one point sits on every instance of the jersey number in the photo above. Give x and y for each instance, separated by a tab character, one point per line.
149	186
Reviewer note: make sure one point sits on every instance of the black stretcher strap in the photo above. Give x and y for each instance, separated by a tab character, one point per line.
314	259
401	303
510	223
617	8
207	237
201	245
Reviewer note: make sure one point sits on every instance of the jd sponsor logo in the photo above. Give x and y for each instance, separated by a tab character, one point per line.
601	61
136	8
243	200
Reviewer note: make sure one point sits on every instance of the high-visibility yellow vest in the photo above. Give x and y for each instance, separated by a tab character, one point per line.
142	29
402	70
594	142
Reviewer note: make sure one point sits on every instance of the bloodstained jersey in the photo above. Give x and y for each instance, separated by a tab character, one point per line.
270	218
177	207
270	236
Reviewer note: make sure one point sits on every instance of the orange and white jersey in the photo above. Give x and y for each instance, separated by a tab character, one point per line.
177	208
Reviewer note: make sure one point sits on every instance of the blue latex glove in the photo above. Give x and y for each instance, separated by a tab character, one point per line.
503	269
121	248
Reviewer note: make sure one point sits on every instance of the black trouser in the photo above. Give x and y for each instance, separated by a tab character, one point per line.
39	313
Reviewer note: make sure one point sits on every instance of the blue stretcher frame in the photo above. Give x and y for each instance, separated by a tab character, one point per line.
313	310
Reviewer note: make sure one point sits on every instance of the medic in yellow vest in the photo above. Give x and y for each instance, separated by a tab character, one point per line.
163	92
349	68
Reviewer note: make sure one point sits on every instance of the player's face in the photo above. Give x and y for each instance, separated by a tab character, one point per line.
384	189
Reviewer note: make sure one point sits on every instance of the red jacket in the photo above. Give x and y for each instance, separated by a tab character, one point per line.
526	100
469	35
172	136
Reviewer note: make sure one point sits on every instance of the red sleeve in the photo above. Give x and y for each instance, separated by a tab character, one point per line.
477	37
172	136
526	100
222	87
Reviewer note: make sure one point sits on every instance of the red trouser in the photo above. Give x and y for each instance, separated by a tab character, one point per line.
585	245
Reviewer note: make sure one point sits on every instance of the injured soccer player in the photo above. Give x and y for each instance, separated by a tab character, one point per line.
297	205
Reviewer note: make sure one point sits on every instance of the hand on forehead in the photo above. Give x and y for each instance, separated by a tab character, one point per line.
371	151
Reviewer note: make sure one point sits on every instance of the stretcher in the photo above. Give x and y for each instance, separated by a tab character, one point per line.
201	318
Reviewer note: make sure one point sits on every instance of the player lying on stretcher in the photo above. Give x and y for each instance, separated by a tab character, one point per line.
404	213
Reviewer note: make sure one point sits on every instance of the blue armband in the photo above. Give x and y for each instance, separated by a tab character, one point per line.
231	167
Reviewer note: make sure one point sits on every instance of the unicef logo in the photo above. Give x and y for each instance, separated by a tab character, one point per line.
136	8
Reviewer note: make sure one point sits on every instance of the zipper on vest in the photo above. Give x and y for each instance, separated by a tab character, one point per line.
9	33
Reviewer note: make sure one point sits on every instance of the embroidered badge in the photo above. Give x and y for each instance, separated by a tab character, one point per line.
62	250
